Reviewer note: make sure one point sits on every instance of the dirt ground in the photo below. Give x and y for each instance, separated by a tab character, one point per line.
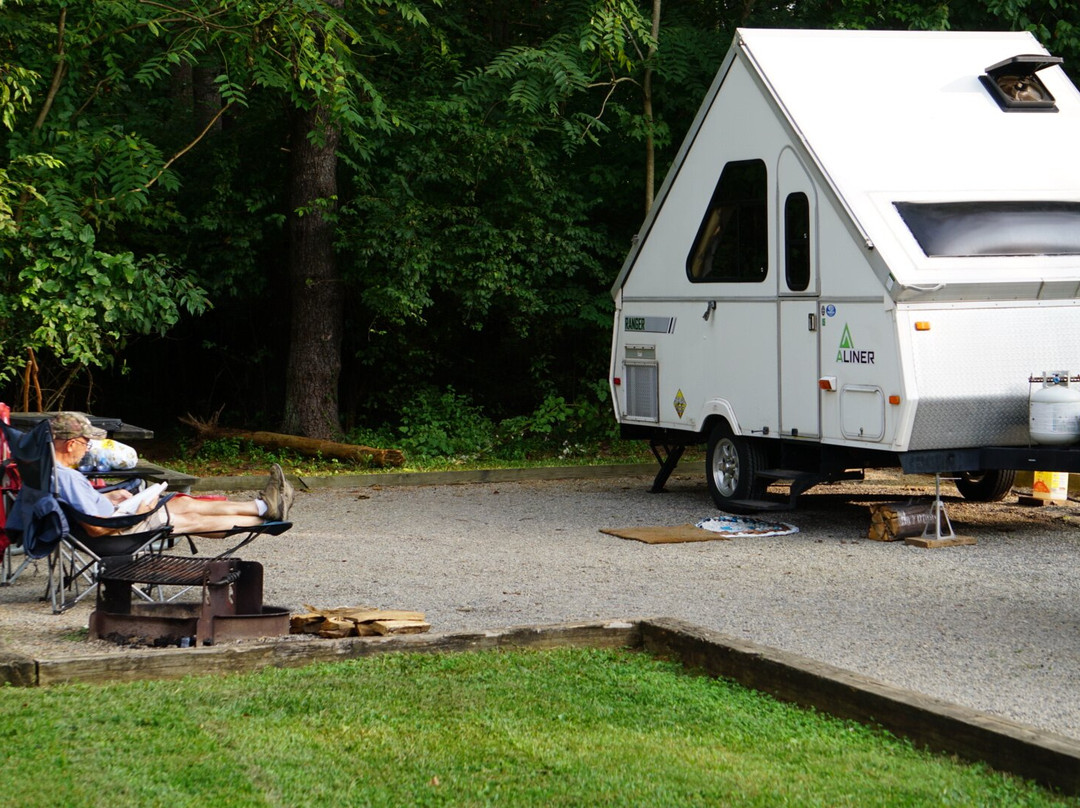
839	511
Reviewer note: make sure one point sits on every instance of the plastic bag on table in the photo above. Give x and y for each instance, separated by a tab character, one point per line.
109	455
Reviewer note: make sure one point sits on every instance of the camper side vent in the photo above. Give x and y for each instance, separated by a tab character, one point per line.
1014	85
642	384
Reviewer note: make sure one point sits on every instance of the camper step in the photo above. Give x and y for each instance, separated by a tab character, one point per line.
786	474
800	480
757	505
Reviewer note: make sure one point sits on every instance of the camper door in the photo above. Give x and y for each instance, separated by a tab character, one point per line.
797	293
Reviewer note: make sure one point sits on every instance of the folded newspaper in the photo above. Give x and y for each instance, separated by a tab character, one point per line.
147	495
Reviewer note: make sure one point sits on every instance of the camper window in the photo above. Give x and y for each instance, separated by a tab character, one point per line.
958	229
732	242
797	242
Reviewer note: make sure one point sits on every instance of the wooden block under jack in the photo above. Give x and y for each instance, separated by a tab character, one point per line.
1033	501
944	541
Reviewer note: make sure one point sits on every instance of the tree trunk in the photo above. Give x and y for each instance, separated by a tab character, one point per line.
647	108
314	365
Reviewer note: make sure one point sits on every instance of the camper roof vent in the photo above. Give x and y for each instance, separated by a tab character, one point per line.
1014	85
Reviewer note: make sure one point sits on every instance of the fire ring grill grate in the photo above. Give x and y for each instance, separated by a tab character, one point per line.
175	570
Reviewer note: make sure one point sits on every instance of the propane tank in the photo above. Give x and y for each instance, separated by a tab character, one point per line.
1054	411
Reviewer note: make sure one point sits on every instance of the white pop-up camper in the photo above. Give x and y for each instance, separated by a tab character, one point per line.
866	254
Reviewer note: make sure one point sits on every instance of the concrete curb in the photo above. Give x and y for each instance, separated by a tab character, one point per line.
1048	758
255	483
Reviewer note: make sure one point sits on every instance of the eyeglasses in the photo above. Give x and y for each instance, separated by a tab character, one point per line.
85	440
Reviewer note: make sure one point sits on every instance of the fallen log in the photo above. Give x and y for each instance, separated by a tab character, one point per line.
311	447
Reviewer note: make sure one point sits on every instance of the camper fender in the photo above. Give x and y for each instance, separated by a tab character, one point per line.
718	409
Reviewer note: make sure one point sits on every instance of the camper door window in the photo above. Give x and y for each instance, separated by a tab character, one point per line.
797	241
732	243
959	229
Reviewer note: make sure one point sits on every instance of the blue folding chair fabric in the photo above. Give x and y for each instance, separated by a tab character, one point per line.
35	519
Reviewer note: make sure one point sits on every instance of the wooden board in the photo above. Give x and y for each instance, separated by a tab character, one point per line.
665	535
931	542
399	626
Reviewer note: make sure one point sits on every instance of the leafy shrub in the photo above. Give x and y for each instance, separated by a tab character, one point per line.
558	427
447	424
444	424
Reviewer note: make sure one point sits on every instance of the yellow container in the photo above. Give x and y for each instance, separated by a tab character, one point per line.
1052	486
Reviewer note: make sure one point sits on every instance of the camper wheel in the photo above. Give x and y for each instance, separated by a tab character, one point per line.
985	486
732	464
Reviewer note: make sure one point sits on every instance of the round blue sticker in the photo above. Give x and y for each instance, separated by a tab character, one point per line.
830	310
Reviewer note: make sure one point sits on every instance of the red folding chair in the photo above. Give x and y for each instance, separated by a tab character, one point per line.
10	484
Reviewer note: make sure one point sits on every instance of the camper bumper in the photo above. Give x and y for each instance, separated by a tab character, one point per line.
1017	458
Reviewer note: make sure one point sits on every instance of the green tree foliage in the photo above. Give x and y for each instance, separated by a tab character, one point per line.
1055	23
594	48
97	135
490	173
78	175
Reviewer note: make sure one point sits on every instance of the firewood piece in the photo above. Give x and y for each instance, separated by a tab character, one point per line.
364	614
891	522
364	621
334	627
400	626
311	447
877	531
305	623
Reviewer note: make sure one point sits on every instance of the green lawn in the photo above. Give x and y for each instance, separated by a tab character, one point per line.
567	727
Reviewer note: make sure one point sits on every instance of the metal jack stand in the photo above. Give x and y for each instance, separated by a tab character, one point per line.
938	531
938	516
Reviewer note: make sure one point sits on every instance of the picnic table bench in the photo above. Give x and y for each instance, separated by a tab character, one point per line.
178	481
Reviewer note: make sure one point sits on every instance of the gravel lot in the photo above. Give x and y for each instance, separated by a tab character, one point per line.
994	626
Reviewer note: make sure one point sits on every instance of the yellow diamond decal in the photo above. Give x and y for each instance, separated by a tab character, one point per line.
680	403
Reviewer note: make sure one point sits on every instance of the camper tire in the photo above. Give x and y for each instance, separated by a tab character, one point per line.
732	464
985	486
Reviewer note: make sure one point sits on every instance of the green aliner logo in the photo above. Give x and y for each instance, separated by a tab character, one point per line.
848	354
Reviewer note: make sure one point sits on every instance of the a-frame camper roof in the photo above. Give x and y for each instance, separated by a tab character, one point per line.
891	117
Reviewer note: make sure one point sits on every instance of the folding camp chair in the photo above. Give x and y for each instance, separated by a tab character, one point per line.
78	562
49	528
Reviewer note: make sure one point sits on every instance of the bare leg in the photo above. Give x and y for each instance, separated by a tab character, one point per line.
191	506
207	517
198	525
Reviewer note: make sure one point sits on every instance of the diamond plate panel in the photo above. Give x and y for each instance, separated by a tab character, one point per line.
971	372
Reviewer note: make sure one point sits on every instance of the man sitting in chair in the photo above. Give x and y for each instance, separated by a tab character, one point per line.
72	433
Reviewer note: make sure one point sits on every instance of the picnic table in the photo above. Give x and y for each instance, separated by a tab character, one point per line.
118	429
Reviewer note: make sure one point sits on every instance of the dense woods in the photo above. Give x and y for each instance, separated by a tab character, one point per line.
322	216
